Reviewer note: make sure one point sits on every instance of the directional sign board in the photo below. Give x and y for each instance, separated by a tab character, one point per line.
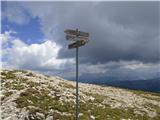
74	38
80	38
76	33
76	44
70	36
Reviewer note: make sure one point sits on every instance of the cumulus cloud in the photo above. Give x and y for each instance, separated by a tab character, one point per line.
43	57
35	56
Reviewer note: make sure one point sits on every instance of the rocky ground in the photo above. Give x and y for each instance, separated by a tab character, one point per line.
26	95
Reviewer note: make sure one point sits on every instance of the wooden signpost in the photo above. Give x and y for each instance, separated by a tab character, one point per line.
80	39
75	38
76	44
76	32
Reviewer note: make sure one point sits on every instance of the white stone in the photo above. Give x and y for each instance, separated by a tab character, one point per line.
92	117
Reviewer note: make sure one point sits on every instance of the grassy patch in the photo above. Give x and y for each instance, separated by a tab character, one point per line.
32	84
39	101
66	85
106	112
109	113
8	85
59	116
43	101
22	71
30	74
148	95
98	98
139	92
18	86
157	108
8	75
7	94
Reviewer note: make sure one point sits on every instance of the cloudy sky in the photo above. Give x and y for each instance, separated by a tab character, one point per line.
124	38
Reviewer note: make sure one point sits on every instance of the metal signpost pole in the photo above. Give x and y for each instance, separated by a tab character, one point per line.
77	105
77	102
80	38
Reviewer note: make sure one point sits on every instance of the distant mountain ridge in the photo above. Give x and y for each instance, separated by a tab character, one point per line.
150	85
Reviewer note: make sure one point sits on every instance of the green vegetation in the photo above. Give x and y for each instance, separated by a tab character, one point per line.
22	71
12	81
37	99
148	95
107	113
30	74
8	85
18	86
6	94
62	117
154	107
63	84
14	84
41	100
8	75
32	84
43	103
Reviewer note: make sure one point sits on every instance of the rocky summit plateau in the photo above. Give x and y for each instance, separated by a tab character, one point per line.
27	95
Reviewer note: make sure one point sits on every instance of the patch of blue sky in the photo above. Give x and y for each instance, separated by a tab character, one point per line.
29	33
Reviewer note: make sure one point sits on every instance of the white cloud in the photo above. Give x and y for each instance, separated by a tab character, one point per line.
6	36
43	57
5	39
34	56
94	68
135	66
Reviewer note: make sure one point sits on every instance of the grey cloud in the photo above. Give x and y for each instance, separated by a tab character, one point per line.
125	31
122	70
119	30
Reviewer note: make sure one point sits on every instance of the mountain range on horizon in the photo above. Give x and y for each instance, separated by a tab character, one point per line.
150	85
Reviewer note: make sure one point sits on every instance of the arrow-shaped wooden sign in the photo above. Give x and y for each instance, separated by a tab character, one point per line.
76	44
76	33
74	38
